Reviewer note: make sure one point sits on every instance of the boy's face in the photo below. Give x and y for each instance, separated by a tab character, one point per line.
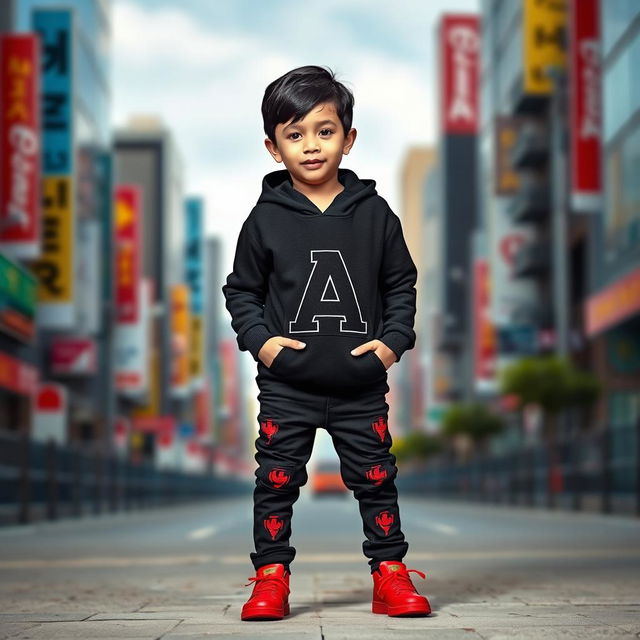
318	136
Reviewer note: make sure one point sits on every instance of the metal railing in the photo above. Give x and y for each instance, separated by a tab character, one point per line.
46	481
599	472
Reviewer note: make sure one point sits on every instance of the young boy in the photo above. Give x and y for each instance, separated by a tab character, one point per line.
322	294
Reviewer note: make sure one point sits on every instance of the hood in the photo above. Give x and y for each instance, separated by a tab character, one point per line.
277	189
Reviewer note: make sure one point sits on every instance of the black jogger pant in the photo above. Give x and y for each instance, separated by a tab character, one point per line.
356	420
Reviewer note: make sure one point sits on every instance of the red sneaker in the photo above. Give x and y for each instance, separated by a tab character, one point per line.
394	593
269	600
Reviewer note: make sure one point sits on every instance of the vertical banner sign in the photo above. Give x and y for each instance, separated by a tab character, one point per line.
194	276
543	41
89	276
180	324
507	181
484	341
127	252
132	349
460	55
585	105
55	266
131	295
20	146
105	213
203	413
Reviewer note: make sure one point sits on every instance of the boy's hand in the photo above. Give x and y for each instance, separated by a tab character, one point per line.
388	356
270	349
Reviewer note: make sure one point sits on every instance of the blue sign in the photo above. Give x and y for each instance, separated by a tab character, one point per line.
55	28
186	430
194	258
517	339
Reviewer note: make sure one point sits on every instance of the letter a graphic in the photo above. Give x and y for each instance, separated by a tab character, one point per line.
329	298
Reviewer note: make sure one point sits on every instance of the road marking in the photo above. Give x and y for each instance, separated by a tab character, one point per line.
201	533
312	558
440	527
207	532
18	529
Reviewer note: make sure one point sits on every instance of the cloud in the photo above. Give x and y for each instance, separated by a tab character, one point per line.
205	76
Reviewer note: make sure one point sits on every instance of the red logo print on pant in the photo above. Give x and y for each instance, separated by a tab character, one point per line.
376	474
274	525
269	428
279	477
384	520
379	426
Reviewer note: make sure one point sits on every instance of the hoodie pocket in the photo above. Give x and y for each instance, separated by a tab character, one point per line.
328	362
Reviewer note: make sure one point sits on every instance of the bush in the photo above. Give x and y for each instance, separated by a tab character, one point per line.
473	419
416	445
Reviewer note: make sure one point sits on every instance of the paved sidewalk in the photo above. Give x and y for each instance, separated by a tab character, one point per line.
324	606
178	573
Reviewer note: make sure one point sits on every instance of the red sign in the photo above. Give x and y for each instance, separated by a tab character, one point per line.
127	244
203	410
50	398
586	110
154	424
73	356
20	145
459	56
614	304
484	342
17	376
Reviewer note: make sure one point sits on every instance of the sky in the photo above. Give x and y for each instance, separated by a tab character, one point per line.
202	66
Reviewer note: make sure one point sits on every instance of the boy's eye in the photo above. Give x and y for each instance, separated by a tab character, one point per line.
295	133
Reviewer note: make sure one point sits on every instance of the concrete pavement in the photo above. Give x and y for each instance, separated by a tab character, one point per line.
492	572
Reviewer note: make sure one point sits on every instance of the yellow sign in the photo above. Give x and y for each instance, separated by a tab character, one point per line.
544	29
196	347
54	267
152	408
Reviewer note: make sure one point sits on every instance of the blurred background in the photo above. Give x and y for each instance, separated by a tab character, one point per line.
504	133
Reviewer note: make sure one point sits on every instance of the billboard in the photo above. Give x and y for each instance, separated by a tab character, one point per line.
195	278
543	40
55	266
459	55
20	145
585	123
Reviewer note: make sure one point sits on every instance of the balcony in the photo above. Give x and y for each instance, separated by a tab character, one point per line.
538	314
533	259
526	103
531	203
531	149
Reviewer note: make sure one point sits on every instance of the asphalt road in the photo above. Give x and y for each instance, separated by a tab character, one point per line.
492	572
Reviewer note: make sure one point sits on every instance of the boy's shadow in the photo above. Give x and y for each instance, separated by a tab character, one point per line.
350	597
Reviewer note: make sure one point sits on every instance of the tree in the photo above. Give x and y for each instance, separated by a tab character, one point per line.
554	384
416	445
473	420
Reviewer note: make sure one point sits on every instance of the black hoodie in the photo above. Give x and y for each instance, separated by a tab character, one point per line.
332	279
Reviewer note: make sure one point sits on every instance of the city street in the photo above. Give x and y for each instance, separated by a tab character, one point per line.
492	572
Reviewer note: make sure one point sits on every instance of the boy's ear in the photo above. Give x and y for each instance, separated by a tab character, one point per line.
349	140
272	149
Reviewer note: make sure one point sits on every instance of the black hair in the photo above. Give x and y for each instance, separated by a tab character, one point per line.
295	93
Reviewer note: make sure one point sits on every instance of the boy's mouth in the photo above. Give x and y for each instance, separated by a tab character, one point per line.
313	162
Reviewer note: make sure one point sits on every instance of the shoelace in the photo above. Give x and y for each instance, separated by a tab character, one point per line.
402	580
262	583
